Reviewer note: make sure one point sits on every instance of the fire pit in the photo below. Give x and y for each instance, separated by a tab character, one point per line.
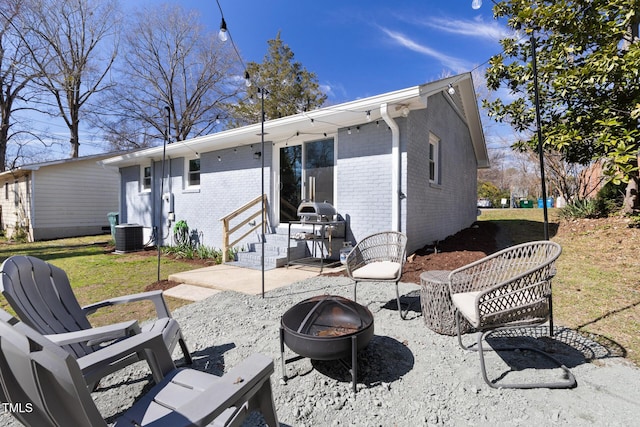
326	327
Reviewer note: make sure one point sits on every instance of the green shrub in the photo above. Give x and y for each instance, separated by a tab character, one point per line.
20	234
609	199
580	209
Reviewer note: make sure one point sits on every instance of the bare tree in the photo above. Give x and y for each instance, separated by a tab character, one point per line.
169	61
14	76
73	44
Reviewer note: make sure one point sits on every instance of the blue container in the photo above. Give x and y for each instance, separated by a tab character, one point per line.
549	202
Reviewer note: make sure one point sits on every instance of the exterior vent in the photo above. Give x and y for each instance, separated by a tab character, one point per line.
128	238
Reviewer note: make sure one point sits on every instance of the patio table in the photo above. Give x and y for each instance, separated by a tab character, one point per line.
438	311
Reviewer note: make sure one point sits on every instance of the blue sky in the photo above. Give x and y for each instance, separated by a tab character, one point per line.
356	48
359	48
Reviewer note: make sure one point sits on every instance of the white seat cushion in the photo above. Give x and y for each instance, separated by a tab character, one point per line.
379	270
466	303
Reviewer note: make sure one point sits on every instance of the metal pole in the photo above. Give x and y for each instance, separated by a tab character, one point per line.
541	154
539	126
159	217
262	154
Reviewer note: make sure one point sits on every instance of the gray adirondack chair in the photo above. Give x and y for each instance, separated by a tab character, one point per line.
378	258
35	371
508	289
41	295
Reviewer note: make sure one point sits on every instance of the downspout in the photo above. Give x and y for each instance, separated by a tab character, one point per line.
32	210
395	167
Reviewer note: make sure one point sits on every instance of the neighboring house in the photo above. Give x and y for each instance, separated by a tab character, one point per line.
62	198
404	160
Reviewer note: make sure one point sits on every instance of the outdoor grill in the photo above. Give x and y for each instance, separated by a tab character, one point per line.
316	211
326	327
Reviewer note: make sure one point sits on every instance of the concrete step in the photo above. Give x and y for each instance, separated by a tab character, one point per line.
297	251
253	259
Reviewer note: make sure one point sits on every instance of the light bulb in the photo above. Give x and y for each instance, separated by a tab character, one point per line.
451	90
476	4
247	79
222	35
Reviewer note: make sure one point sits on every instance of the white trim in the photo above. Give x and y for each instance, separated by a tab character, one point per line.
326	120
143	166
187	172
435	142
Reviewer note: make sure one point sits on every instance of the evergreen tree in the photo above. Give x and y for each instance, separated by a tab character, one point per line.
289	87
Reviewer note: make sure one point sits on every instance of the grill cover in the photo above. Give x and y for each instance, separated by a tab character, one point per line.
316	210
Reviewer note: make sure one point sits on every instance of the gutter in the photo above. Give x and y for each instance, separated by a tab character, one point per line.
395	167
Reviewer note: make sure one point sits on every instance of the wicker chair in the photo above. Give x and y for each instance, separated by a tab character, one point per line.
511	288
378	258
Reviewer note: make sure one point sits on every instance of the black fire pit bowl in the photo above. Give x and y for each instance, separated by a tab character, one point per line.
325	327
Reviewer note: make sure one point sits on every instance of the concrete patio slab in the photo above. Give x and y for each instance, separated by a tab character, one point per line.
249	281
190	292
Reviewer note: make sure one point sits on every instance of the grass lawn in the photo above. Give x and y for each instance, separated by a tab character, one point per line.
597	287
97	274
596	290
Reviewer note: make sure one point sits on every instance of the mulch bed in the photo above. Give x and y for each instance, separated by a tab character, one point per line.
462	248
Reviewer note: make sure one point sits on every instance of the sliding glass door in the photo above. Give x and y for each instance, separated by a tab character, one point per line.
306	173
290	182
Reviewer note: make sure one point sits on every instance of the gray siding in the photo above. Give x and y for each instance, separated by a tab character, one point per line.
73	199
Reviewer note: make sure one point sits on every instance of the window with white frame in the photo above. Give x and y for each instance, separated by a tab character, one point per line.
434	159
192	168
145	177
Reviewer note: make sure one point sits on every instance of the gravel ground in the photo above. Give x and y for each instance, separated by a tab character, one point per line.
408	375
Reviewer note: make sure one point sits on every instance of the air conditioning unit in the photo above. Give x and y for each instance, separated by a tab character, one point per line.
128	238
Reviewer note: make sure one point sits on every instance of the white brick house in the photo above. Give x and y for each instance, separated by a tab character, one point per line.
404	160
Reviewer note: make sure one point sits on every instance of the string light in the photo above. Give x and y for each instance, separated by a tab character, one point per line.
222	35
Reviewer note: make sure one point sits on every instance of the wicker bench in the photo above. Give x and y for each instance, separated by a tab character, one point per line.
437	309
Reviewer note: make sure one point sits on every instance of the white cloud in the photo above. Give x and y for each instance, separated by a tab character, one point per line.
456	64
477	28
333	90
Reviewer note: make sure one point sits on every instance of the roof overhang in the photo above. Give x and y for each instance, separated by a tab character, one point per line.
324	121
24	170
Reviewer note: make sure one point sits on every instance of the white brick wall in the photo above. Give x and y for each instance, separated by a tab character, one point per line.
225	185
363	174
436	212
429	212
364	179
